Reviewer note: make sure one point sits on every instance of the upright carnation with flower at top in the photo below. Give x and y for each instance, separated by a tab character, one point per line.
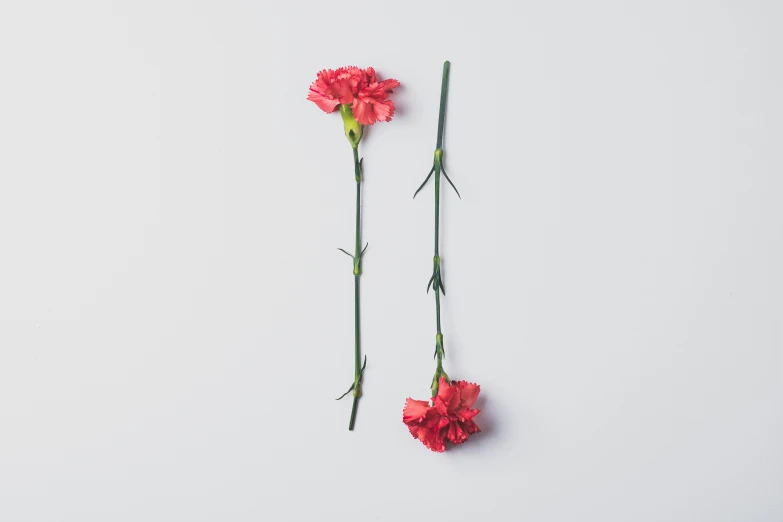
362	100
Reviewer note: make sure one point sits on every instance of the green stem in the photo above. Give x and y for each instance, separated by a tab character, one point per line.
444	89
436	286
357	368
357	272
437	241
438	340
436	260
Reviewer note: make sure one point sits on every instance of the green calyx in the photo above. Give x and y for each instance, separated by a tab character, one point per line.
440	372
353	131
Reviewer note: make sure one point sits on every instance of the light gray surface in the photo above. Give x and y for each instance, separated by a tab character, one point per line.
176	320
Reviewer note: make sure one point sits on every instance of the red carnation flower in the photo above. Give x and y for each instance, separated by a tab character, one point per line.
449	418
372	103
357	88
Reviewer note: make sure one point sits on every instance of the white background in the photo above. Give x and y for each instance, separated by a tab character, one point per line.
176	320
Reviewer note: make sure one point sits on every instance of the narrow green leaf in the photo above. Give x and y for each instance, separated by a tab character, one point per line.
346	393
425	182
449	180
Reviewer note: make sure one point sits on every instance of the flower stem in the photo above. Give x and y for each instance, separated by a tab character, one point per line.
444	89
437	254
357	272
437	277
357	368
437	286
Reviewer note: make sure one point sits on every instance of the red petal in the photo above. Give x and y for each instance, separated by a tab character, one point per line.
466	414
363	113
472	427
324	103
469	392
432	439
429	434
384	110
342	90
448	397
388	85
319	91
456	435
370	75
414	410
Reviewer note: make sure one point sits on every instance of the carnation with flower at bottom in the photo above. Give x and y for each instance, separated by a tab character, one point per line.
450	416
362	100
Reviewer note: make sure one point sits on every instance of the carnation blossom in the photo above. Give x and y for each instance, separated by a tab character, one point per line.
450	418
357	88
